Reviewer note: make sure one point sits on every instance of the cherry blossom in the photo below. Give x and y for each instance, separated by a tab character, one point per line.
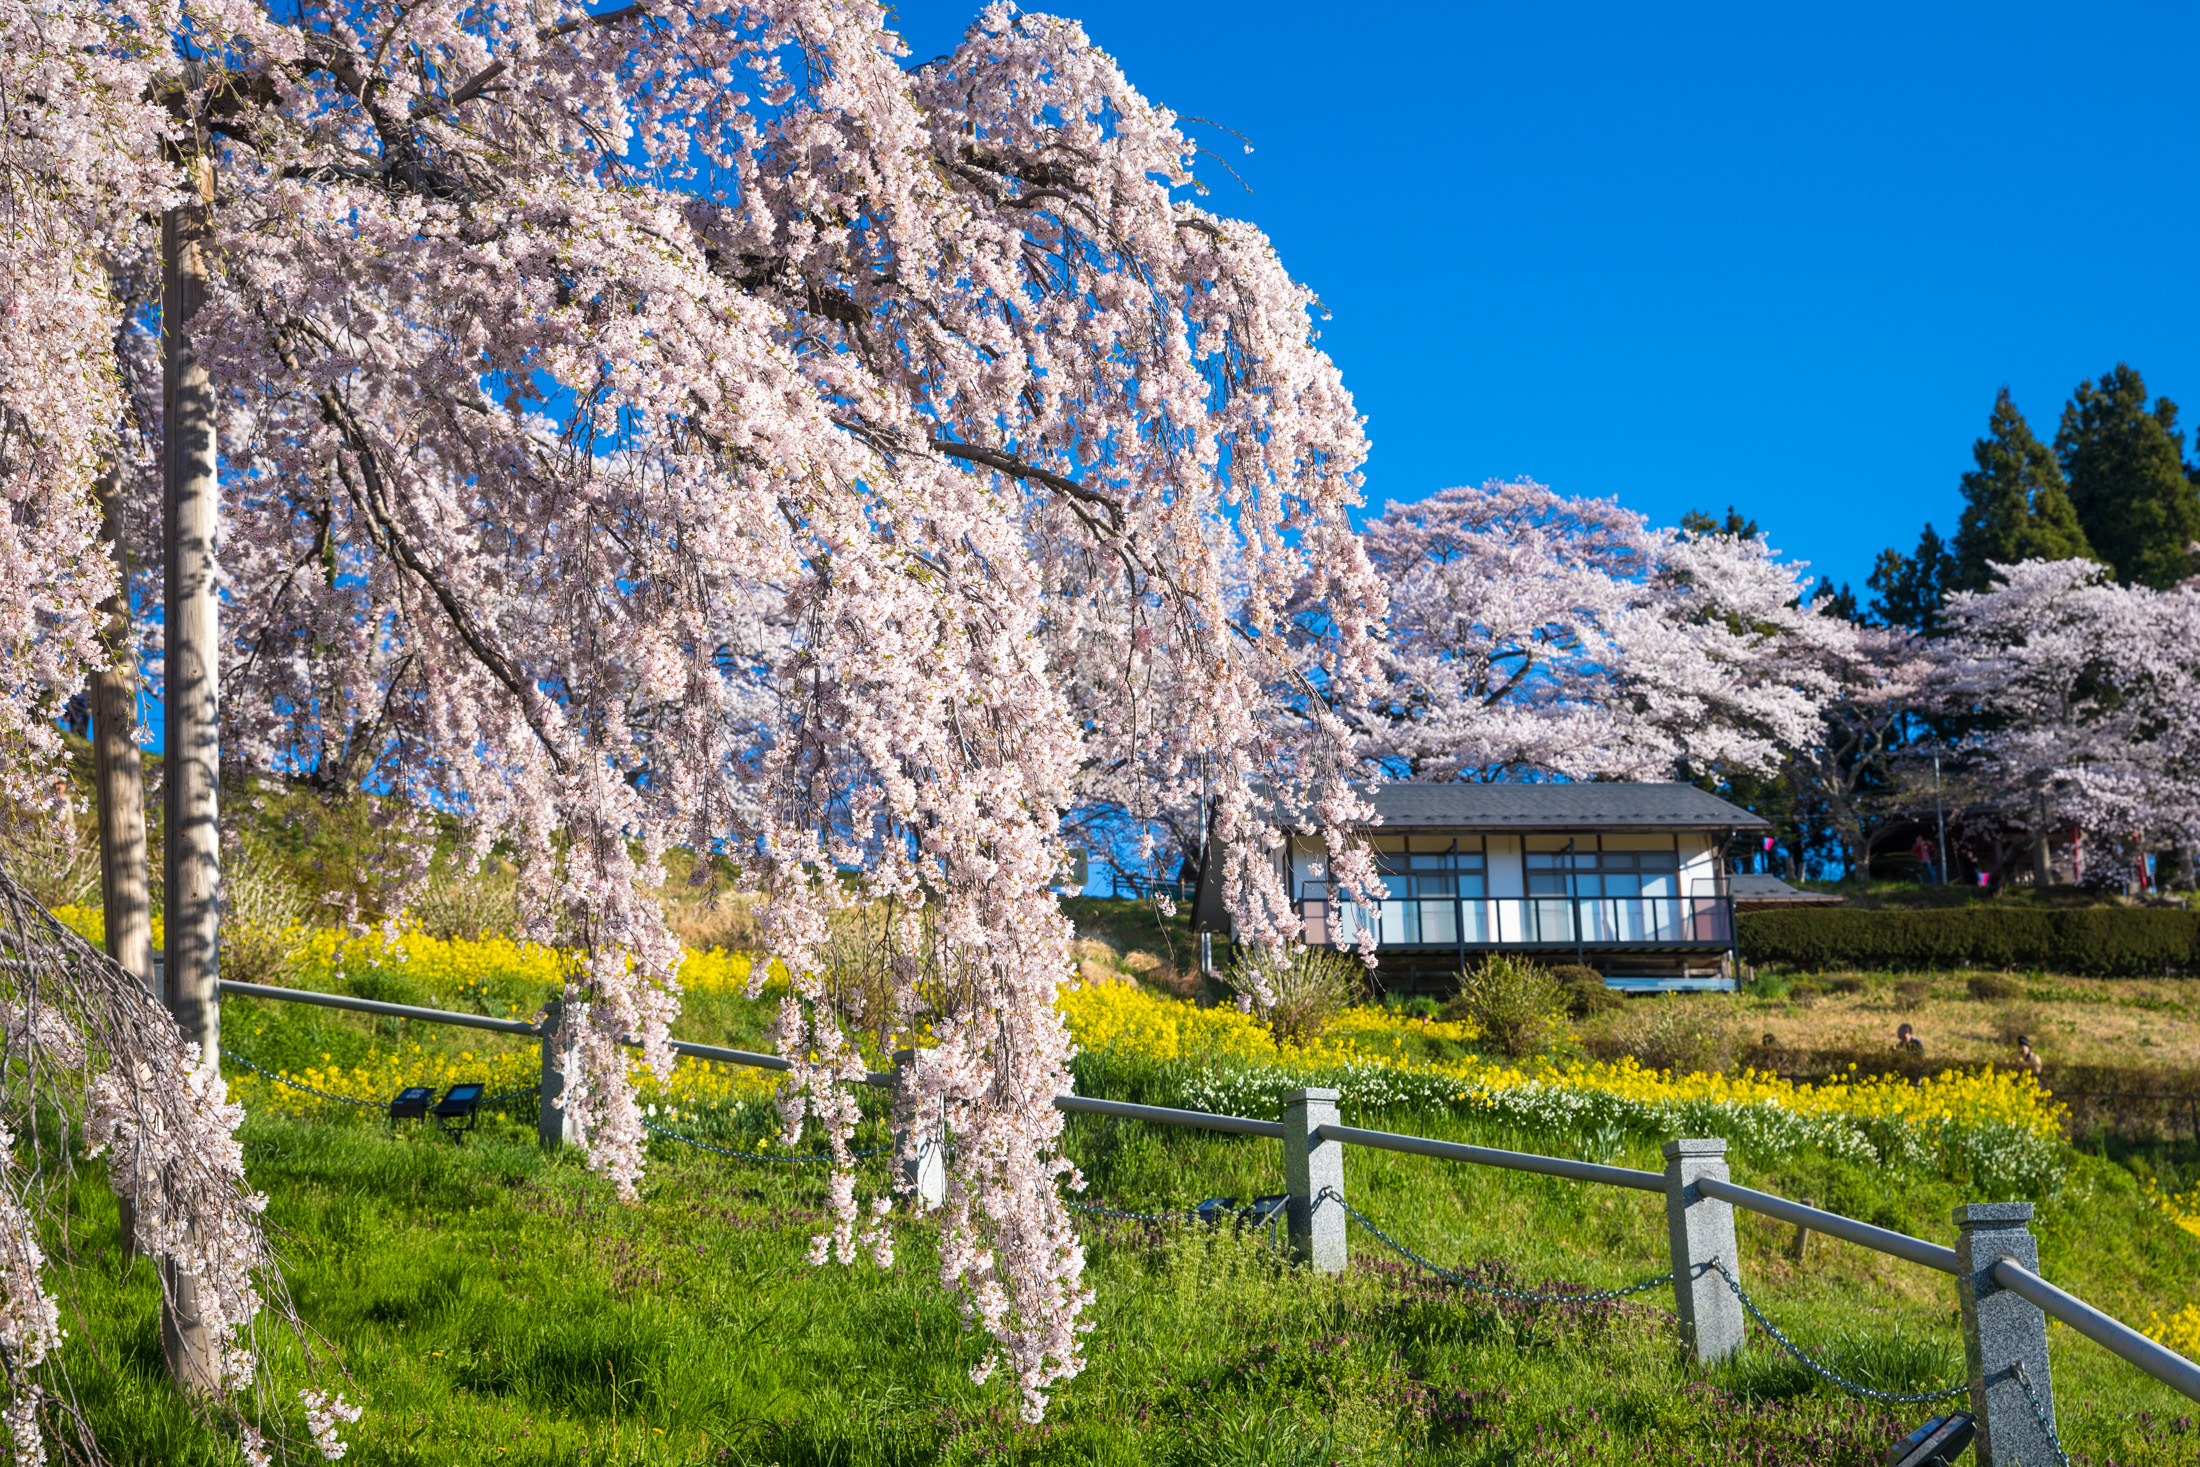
1533	636
696	426
2083	694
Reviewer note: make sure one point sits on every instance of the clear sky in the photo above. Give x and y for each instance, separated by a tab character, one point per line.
1773	256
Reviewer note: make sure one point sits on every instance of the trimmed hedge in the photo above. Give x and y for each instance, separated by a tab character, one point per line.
2111	942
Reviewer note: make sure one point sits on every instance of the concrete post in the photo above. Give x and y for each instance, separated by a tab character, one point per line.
1700	1229
555	1123
923	1155
1309	1167
2000	1332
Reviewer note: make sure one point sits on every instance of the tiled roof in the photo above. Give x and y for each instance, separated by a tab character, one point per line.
1557	807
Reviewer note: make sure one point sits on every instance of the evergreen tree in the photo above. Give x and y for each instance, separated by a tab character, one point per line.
1828	599
1696	524
2126	467
2016	505
1912	587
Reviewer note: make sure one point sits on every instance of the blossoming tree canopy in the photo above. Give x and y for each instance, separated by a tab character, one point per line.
79	167
554	345
1532	633
2083	692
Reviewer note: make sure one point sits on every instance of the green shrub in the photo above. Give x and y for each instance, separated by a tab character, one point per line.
1913	991
1586	991
263	912
1519	1007
2104	941
1684	1033
1992	987
1298	991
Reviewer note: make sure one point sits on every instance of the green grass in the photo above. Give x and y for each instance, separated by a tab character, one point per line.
494	1305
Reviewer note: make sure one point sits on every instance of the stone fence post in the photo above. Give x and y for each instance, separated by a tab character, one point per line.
2001	1332
1311	1166
923	1156
1700	1229
555	1123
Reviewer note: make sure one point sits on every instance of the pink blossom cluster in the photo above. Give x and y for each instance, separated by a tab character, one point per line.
1535	635
89	1050
80	166
30	1320
2082	695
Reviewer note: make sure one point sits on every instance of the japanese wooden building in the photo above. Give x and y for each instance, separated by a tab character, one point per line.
1629	879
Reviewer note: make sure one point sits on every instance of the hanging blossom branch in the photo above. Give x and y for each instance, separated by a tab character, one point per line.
91	1066
564	354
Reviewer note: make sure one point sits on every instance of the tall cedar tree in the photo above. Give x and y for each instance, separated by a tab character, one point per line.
1912	587
2016	505
1696	524
1831	600
2128	483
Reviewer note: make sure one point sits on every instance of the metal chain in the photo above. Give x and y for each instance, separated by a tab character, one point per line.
817	1160
1460	1280
232	1055
1821	1371
2039	1413
1150	1217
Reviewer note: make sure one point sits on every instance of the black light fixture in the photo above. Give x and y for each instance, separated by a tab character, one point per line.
411	1104
1213	1210
1940	1440
459	1103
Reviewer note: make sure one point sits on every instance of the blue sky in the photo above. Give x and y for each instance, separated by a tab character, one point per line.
1774	256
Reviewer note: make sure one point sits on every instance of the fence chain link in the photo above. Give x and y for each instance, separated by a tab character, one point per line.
236	1058
1148	1217
820	1159
2039	1413
1821	1371
1460	1280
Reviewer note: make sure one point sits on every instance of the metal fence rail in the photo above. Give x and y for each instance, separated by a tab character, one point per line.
1518	1161
2118	1338
1165	1116
2004	1302
377	1007
1833	1224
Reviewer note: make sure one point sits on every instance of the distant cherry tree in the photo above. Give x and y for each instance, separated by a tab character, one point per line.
1536	635
2081	694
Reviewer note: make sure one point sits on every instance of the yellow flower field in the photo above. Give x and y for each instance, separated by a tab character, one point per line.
695	1085
1119	1017
2002	1122
2000	1128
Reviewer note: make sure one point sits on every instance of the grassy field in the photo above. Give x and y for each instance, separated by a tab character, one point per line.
492	1304
2070	1021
